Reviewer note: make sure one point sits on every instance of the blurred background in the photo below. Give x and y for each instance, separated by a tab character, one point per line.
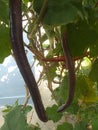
12	84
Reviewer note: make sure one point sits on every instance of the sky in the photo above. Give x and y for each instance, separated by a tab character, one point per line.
11	81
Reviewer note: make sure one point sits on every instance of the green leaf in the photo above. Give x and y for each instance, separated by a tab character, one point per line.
80	126
61	92
58	12
95	124
63	14
80	36
51	71
27	109
26	1
65	126
15	119
94	46
4	11
89	112
64	89
52	113
94	49
94	71
85	90
5	49
73	108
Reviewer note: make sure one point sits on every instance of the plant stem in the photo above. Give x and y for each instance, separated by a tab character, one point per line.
42	12
41	15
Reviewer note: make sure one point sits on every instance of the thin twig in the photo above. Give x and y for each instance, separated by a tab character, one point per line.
27	97
41	15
